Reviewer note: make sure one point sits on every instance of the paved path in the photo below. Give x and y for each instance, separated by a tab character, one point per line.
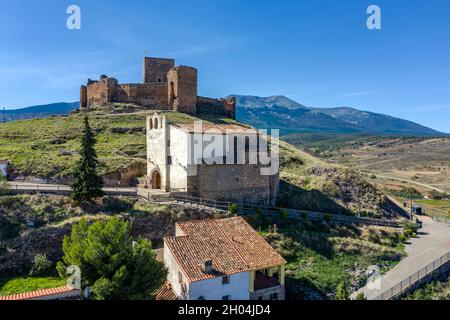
33	187
432	243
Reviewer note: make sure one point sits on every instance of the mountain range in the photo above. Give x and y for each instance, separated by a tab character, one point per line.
292	117
282	113
59	108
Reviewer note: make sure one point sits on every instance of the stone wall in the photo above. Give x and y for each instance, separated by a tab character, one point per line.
156	69
83	97
164	87
234	183
182	89
223	107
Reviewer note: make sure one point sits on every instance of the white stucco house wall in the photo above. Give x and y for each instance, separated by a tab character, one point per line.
179	159
222	260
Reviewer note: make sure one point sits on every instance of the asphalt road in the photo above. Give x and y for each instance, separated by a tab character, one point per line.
433	242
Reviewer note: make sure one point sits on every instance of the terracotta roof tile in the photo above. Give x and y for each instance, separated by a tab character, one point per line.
217	128
165	292
232	244
40	293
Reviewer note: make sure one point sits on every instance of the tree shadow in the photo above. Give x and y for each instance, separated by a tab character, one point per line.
303	289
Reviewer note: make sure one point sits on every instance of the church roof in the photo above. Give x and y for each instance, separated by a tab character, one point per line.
216	128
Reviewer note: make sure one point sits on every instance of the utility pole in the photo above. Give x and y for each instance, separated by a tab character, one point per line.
411	206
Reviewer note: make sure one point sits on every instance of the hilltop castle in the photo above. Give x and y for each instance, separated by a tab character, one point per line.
164	87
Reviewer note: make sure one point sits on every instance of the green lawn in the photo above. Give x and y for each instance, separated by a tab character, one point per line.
20	285
433	202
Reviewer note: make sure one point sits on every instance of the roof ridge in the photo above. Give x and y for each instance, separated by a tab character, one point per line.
231	242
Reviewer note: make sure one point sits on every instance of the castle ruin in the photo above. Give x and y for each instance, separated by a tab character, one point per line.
164	87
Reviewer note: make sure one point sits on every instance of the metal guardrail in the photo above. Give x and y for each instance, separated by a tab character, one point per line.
441	219
63	188
413	279
248	208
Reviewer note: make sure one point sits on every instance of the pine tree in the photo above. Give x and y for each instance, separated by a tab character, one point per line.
87	184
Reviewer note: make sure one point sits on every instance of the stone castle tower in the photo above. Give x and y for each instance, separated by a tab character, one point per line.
164	87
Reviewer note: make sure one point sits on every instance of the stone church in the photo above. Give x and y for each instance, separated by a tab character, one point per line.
178	160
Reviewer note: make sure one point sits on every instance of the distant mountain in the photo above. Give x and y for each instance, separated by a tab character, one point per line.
292	117
60	108
55	108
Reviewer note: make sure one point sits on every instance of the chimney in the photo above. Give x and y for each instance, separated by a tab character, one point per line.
208	267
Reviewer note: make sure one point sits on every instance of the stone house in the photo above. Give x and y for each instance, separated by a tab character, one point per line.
222	259
178	160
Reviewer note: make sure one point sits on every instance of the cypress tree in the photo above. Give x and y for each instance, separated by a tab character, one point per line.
87	183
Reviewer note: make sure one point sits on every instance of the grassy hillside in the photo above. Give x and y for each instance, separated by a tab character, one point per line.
47	148
320	255
436	290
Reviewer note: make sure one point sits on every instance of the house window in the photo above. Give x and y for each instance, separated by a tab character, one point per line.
273	296
226	297
180	277
168	142
169	160
225	280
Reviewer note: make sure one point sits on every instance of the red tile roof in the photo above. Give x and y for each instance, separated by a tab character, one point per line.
165	292
42	293
216	128
232	244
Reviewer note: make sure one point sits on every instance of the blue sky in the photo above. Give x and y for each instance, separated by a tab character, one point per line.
319	52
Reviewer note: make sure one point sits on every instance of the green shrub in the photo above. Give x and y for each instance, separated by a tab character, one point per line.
283	214
373	177
328	218
41	265
401	238
360	296
408	233
304	216
5	189
233	208
341	292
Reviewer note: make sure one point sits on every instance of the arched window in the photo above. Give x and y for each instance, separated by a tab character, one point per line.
156	123
150	124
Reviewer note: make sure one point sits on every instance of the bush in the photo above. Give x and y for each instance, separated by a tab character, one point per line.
341	292
328	218
401	238
360	296
408	192
41	265
373	177
408	233
436	195
233	208
5	189
283	214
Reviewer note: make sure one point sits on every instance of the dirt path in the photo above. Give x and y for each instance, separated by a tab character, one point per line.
405	180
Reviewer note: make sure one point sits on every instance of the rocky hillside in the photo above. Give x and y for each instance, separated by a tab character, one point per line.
311	184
